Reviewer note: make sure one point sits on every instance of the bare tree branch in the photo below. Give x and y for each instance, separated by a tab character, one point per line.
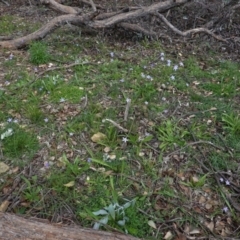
188	32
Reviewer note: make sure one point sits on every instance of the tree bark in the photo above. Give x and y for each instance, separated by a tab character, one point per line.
13	227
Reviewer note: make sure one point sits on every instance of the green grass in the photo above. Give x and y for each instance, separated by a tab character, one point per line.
163	151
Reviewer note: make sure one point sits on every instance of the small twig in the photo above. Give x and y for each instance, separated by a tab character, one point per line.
93	5
5	3
127	109
61	67
116	125
196	143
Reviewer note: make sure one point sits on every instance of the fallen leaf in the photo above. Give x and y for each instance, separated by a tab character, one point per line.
97	137
152	224
168	235
3	167
210	226
70	184
4	206
107	149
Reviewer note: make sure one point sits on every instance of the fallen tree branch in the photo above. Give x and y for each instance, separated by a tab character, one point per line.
60	7
17	228
188	32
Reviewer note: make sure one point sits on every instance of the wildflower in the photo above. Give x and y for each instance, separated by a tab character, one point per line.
144	67
149	77
62	100
9	120
143	75
112	54
168	63
46	164
124	139
225	209
46	120
121	80
128	100
165	111
130	69
172	77
40	89
181	64
162	54
89	160
187	84
221	179
164	99
70	134
175	68
7	83
15	121
162	58
146	103
227	182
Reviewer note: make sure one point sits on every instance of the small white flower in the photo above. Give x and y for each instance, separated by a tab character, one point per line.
149	77
144	67
162	54
7	83
146	103
112	54
164	99
130	69
124	139
181	64
221	179
225	209
70	134
172	77
121	80
187	84
15	121
46	120
9	120
227	182
162	58
128	100
143	75
62	100
175	68
111	60
169	62
165	111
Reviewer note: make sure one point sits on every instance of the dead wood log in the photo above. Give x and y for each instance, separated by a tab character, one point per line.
13	227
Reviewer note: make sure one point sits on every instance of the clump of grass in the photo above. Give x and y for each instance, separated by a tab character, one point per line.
20	143
39	53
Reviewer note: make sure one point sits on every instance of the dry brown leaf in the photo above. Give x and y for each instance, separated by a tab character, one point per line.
3	167
168	235
4	206
210	226
70	184
152	224
97	137
107	149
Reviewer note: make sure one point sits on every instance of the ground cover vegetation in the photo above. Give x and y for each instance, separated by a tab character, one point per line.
126	135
